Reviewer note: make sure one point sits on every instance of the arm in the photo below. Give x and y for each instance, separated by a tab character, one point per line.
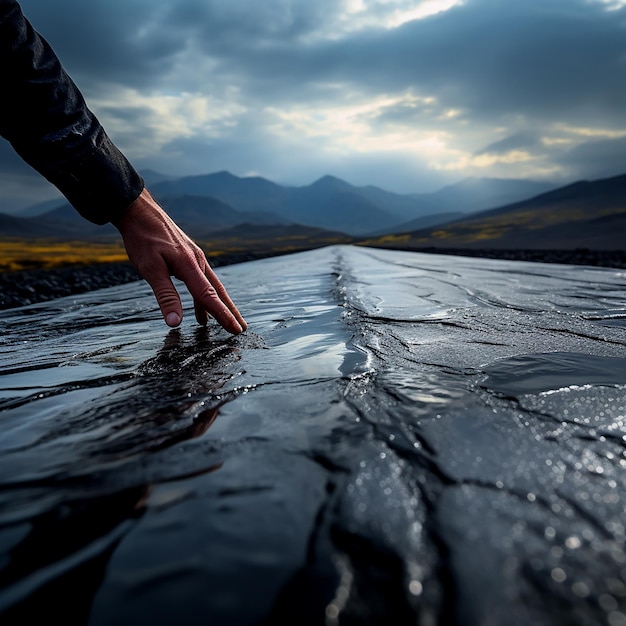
44	116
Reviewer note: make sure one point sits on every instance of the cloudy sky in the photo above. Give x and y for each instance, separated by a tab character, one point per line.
406	95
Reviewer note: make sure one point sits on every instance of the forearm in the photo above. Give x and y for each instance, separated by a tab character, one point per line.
44	116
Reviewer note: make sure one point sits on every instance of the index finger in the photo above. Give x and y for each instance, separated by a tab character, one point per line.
213	300
216	283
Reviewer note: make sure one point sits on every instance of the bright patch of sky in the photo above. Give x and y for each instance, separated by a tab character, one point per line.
612	5
393	13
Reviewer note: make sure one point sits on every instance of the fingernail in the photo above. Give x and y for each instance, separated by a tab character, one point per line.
172	319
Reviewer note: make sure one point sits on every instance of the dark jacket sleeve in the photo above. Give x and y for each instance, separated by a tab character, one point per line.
44	117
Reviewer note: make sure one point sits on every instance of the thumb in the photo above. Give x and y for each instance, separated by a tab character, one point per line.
168	300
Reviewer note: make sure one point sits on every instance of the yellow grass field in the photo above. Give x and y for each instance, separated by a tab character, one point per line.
20	254
26	254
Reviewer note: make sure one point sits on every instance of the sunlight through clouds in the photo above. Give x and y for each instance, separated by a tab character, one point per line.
465	161
388	14
168	117
586	132
425	9
612	5
354	127
522	162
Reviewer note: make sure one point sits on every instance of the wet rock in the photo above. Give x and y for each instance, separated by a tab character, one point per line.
398	438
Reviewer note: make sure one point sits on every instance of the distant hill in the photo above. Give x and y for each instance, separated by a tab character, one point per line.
271	218
11	226
61	223
586	214
436	219
328	203
477	194
151	177
199	216
287	237
40	208
334	204
251	193
202	204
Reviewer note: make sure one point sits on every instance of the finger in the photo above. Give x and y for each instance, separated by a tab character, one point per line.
224	297
222	294
206	298
202	317
166	295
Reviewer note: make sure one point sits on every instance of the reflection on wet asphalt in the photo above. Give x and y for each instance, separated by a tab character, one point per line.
398	438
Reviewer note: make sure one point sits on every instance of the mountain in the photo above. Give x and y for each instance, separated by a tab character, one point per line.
200	215
586	214
151	177
251	193
477	194
197	215
62	222
287	235
201	204
328	203
11	226
40	208
334	204
419	223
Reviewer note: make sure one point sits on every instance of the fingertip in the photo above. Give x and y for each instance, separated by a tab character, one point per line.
172	319
232	326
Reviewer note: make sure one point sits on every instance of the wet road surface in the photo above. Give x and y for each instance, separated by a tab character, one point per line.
398	438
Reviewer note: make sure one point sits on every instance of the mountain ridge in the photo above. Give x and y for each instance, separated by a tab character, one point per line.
583	214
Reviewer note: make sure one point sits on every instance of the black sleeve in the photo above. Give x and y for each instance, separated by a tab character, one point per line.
44	117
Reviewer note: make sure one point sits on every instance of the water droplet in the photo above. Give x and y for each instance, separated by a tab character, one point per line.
617	619
415	588
607	602
556	552
580	589
573	543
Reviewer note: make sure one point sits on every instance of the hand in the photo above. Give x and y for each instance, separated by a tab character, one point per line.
158	249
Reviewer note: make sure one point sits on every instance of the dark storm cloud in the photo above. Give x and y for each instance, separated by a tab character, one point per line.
596	159
510	71
542	60
112	40
537	58
249	23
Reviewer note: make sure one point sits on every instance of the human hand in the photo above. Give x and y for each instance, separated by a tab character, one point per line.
158	249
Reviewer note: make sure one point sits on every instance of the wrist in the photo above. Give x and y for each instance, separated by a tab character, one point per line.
137	206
